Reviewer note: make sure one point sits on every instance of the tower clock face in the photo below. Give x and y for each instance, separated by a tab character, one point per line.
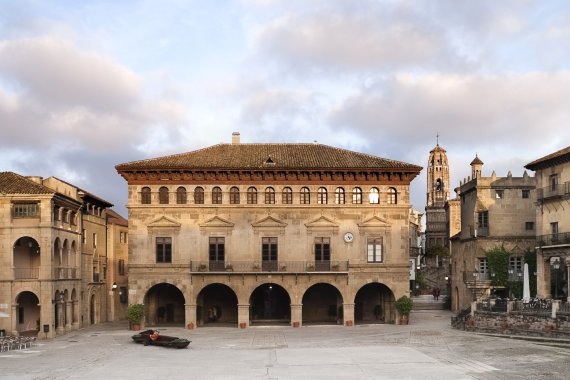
348	237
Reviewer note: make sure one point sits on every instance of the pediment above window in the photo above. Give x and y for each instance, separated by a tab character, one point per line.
322	225
374	224
164	223
217	224
269	224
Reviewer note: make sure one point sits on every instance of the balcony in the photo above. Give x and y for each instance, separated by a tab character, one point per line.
561	238
26	273
551	192
471	278
64	273
269	266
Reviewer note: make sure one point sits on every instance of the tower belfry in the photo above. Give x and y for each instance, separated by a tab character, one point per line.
438	177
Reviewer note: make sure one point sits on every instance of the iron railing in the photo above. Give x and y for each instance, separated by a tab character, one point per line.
553	191
564	308
269	266
26	273
553	239
476	277
534	306
497	305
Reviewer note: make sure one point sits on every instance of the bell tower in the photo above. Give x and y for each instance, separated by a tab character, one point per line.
438	177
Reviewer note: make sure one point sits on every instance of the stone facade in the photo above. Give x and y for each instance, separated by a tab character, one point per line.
48	255
268	233
553	224
495	211
117	265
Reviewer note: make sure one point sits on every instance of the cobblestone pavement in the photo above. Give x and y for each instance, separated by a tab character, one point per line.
426	349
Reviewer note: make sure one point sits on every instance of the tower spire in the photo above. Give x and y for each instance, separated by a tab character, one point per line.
437	138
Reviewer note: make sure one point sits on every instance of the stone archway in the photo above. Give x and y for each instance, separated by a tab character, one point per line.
164	305
322	304
26	258
27	313
270	304
374	303
217	304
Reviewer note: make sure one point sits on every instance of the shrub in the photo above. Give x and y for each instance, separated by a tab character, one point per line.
404	305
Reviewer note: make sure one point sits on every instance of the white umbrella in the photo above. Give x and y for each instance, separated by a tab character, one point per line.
526	285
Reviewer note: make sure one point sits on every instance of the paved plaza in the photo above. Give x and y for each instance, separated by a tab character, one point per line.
426	349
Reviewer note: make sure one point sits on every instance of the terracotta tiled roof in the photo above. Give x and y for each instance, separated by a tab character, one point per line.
563	155
113	217
12	183
438	148
268	156
476	161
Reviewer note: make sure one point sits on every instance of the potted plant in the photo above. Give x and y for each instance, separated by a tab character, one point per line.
229	268
404	306
202	267
135	314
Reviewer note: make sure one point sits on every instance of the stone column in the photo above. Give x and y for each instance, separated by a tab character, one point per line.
68	316
243	315
348	314
75	315
14	319
190	316
297	315
60	324
542	277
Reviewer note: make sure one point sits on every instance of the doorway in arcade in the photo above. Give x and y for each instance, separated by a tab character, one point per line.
270	304
374	303
164	305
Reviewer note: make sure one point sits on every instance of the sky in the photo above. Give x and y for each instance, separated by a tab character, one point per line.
87	85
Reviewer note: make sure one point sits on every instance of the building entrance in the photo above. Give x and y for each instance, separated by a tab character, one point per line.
217	304
374	303
270	303
322	304
164	305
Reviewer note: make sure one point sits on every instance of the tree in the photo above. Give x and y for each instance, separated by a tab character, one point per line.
437	250
498	260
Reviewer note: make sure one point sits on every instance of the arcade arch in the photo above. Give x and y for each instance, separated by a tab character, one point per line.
322	304
374	303
164	305
27	313
217	303
270	304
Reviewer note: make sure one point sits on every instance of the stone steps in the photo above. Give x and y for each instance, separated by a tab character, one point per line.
426	302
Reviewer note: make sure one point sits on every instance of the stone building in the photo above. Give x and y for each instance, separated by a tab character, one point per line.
495	211
553	224
53	255
117	264
241	234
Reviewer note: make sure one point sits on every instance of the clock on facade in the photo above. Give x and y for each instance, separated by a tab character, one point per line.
348	237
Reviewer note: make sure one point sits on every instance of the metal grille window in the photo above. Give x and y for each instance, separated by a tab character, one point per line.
525	193
529	226
27	210
357	195
251	196
181	197
269	196
483	219
234	196
145	195
374	196
216	196
287	196
483	265
339	196
163	195
322	196
163	250
516	263
121	267
199	196
305	196
374	249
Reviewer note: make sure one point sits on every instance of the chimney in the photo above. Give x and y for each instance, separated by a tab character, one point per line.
235	138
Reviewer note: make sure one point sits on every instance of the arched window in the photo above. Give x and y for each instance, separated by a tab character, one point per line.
392	196
374	196
269	196
216	196
339	197
199	196
305	196
357	195
438	185
145	195
287	196
251	196
163	195
234	196
322	197
181	197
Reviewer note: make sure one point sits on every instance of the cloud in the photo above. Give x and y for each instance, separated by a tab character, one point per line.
358	36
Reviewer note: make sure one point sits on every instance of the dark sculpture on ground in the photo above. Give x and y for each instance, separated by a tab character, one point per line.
152	338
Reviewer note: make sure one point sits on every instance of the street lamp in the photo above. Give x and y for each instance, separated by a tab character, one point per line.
114	286
556	266
475	275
